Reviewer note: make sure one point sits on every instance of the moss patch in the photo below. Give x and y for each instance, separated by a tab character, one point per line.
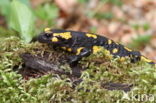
55	88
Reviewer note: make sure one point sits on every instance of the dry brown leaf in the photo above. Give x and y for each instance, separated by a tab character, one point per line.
66	5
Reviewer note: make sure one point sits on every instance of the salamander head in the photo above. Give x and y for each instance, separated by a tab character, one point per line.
52	37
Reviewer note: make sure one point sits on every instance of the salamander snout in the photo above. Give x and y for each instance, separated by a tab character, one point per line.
44	38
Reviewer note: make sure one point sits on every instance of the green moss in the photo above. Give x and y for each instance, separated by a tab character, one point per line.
54	88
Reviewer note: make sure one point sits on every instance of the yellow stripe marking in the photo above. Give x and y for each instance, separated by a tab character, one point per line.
109	41
47	30
91	35
54	39
127	49
65	35
146	59
79	50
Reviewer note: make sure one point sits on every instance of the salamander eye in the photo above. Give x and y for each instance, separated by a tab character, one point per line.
48	35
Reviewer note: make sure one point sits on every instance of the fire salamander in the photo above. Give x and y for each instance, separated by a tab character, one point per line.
82	44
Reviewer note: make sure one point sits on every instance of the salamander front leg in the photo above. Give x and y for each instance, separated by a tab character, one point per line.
80	54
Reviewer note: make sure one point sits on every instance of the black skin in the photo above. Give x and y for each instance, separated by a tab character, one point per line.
79	39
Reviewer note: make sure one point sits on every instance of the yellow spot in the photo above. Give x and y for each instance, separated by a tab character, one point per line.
56	34
96	49
109	41
54	39
117	43
146	59
65	35
64	48
47	30
91	35
127	49
107	52
69	49
115	50
122	59
79	50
